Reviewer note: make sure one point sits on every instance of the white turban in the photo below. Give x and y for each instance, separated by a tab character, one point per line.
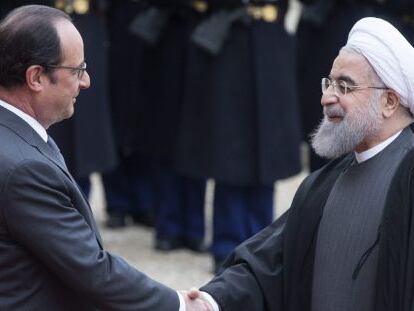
389	53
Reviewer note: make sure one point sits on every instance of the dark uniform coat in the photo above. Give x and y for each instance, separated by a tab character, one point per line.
147	77
128	77
272	271
239	121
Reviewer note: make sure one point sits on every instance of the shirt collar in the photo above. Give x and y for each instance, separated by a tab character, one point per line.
39	129
367	154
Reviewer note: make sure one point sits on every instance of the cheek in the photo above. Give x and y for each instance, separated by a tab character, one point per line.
349	106
71	90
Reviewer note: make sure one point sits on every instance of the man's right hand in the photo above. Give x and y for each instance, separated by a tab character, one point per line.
194	301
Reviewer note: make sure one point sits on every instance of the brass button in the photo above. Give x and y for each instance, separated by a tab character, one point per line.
68	9
81	6
269	13
200	6
255	12
60	4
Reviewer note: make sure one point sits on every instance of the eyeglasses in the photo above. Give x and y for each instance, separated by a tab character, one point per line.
79	71
341	87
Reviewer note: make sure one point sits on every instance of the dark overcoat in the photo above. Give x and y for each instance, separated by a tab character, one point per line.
147	78
239	120
131	109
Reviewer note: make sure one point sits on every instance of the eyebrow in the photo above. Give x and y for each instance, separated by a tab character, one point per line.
345	78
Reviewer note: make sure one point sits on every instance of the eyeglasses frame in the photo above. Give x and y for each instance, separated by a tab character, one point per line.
80	69
348	88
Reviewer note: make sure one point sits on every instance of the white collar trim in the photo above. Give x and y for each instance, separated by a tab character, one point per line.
39	129
367	154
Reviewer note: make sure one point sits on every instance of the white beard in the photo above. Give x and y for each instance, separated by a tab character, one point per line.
333	139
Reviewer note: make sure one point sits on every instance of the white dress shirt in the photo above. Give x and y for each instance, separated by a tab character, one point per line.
39	129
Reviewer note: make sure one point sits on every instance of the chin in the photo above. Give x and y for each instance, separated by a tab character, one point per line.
68	114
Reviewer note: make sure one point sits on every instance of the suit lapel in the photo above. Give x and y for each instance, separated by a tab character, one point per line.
28	134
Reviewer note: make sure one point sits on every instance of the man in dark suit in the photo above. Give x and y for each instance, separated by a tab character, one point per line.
51	255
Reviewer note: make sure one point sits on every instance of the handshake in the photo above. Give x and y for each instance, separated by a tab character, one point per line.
196	301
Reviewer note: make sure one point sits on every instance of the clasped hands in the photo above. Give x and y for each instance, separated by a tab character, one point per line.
194	301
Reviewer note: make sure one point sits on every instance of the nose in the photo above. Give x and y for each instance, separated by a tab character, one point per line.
85	81
329	98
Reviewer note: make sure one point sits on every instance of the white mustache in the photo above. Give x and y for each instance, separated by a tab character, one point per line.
333	111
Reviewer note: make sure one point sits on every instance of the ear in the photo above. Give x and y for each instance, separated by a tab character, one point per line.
392	101
35	78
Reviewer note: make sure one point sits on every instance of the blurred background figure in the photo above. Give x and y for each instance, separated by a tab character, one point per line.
148	62
129	188
239	122
322	30
86	140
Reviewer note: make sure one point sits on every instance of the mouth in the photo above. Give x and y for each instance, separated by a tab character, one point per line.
334	114
334	118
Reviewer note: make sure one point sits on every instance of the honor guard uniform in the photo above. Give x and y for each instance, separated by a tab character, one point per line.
322	31
179	217
239	121
129	188
148	49
86	140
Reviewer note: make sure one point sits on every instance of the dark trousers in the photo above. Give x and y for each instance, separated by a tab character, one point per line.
129	189
239	213
180	206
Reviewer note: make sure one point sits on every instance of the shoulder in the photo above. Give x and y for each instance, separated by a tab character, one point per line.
14	147
30	171
405	171
32	180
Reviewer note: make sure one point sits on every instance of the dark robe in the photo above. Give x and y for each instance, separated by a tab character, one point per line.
273	270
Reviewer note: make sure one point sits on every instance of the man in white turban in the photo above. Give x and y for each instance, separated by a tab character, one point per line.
347	242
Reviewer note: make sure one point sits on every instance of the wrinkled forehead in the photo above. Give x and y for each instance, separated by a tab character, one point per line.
351	65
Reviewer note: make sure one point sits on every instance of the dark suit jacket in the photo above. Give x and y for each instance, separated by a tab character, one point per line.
51	254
